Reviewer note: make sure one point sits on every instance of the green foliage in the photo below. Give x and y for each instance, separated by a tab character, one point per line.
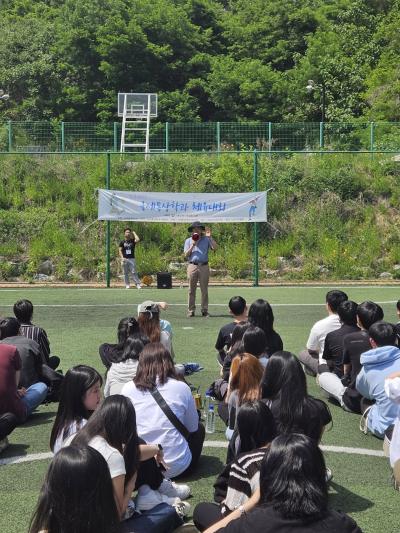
207	59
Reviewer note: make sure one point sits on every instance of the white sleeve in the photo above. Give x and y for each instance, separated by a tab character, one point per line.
191	420
313	340
116	464
392	389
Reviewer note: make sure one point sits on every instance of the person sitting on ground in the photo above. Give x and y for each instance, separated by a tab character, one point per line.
236	348
79	398
31	369
313	355
333	348
284	385
111	430
241	478
8	422
254	343
77	495
18	401
244	386
149	324
111	353
383	359
354	344
156	370
392	390
238	310
125	370
23	311
165	325
293	494
261	315
397	325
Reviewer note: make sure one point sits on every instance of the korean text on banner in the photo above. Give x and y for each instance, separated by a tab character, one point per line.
182	207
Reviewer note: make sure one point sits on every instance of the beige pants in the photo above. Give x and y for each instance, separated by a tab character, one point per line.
201	274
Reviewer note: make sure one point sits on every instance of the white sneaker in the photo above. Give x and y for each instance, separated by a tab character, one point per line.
182	508
127	286
4	444
138	286
147	498
169	488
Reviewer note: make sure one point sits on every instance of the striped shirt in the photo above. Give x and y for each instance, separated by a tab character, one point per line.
244	479
40	336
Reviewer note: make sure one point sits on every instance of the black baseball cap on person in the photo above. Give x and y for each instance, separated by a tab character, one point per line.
196	224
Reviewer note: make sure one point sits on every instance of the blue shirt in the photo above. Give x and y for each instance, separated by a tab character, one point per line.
200	251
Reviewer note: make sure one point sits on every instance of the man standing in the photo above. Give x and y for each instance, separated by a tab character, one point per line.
127	255
196	252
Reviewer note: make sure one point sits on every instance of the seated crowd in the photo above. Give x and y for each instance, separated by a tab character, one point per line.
118	461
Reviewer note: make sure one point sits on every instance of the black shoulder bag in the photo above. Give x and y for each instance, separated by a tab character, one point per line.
169	414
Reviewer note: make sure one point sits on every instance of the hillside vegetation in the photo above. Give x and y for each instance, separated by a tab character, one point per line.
330	216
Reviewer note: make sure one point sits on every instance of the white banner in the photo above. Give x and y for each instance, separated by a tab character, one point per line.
182	207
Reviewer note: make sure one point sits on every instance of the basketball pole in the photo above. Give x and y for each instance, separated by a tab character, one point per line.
108	226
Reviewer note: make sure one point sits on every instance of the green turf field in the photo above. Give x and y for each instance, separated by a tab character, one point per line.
78	320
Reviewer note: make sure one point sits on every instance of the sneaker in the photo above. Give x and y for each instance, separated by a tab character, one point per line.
205	313
182	508
169	488
190	314
328	475
4	444
127	286
138	286
147	498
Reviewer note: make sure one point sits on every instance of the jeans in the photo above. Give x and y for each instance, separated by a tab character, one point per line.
160	519
34	396
129	266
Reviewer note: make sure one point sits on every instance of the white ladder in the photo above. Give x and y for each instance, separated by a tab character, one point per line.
136	119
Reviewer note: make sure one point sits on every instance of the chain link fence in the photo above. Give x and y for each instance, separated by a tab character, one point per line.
34	137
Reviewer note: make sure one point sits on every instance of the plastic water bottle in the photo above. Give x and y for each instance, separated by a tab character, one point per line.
210	420
206	405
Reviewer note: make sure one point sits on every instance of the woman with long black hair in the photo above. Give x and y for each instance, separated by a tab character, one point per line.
111	353
284	386
77	495
112	431
293	495
261	315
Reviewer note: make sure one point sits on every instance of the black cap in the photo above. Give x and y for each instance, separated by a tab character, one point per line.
196	224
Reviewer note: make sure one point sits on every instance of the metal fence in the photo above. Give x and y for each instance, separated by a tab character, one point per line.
39	137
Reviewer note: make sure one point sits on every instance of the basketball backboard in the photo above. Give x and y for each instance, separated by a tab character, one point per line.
137	104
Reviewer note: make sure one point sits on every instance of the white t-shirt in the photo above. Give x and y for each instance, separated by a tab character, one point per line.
69	434
154	427
114	459
316	339
392	389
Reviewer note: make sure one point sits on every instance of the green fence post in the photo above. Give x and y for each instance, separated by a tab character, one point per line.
62	137
167	137
321	135
372	136
9	128
255	224
115	137
108	227
218	136
269	137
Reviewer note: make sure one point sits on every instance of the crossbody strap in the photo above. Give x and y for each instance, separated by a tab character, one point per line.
169	414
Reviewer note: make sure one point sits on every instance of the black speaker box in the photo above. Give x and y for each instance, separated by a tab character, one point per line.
164	280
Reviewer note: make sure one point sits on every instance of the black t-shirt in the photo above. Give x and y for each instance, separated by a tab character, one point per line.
274	343
128	249
264	519
353	346
333	349
316	416
225	336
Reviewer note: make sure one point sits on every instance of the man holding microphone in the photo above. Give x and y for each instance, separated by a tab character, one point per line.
196	253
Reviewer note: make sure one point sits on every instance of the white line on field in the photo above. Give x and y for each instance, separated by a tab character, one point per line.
246	287
207	444
179	305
